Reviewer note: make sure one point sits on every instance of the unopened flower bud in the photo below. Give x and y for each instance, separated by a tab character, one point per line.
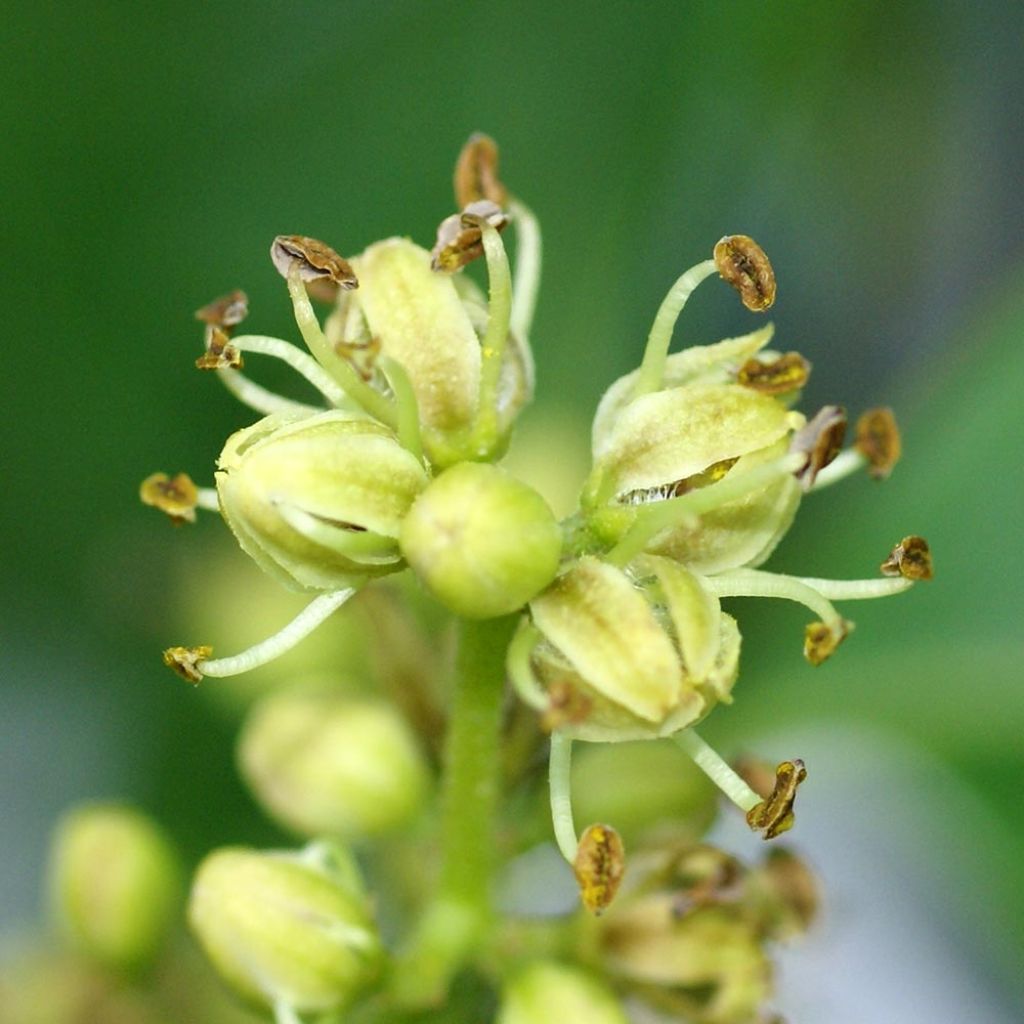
318	501
551	993
115	883
324	765
282	929
481	541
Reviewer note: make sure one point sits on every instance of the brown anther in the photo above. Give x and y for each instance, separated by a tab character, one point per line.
187	661
476	172
774	815
821	639
911	559
316	260
820	440
220	354
226	311
177	496
742	263
460	236
878	440
566	706
361	355
599	866
779	377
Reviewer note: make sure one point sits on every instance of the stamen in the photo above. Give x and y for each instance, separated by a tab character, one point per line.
520	669
460	238
845	464
911	559
652	518
526	278
476	173
878	439
599	865
855	590
560	787
877	445
350	541
220	354
717	770
781	376
355	387
176	497
492	346
822	639
757	583
652	369
298	360
185	661
207	499
408	408
315	259
225	311
743	264
257	397
192	662
775	815
819	441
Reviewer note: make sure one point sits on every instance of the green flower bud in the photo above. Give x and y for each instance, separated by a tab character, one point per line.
622	662
324	765
551	993
481	541
115	883
282	929
700	427
318	501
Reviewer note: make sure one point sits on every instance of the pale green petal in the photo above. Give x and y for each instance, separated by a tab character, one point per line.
419	319
742	533
695	613
610	635
670	435
708	364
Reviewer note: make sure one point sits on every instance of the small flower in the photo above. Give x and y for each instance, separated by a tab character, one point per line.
284	929
115	884
323	765
634	672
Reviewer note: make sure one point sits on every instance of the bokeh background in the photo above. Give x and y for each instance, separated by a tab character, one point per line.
150	153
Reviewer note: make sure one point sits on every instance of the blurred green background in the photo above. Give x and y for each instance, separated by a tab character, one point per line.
151	152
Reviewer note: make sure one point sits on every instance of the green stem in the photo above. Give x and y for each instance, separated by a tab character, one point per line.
457	919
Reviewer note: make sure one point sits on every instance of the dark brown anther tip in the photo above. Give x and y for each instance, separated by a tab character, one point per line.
599	866
226	311
911	559
476	172
316	260
742	263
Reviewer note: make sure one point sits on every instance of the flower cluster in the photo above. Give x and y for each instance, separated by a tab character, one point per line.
615	626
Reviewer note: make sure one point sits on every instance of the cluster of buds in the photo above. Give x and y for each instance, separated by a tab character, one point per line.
700	462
